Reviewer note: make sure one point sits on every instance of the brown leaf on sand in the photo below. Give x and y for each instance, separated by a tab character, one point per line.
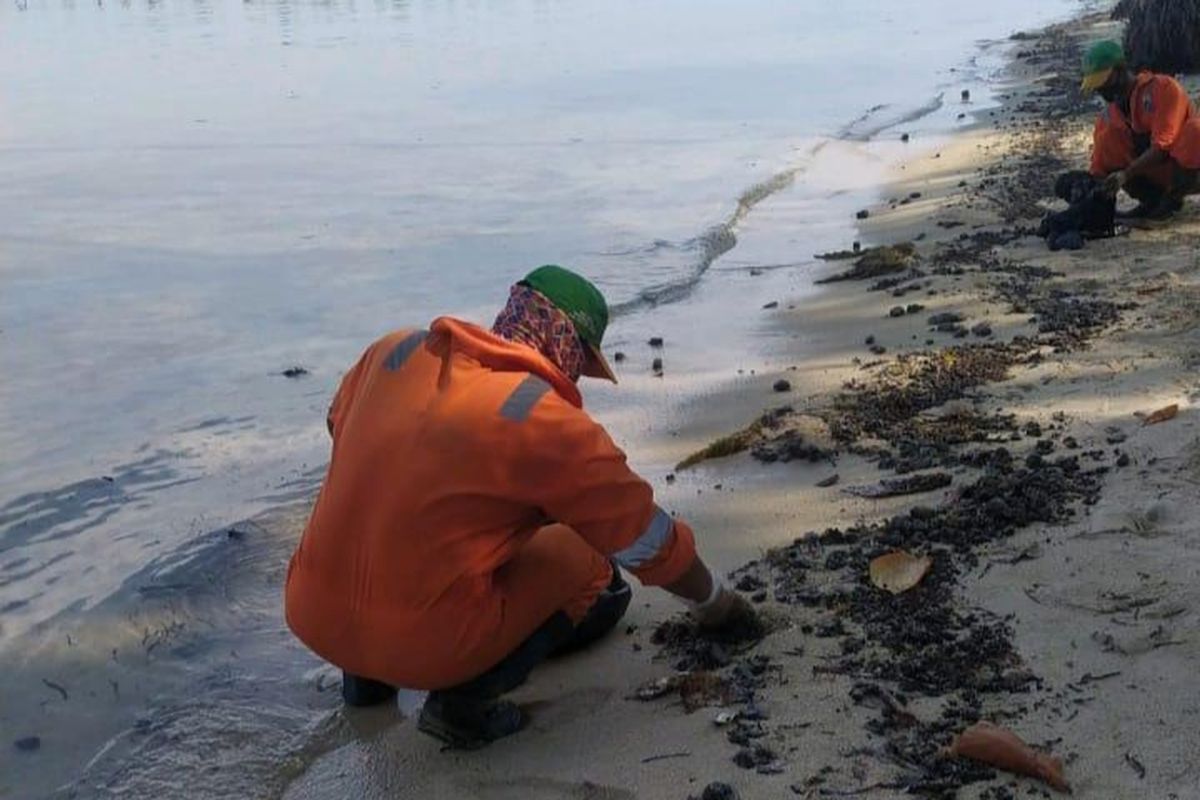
701	689
899	571
1162	415
1003	749
695	689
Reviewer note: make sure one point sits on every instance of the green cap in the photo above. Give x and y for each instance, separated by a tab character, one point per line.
1099	62
575	296
581	301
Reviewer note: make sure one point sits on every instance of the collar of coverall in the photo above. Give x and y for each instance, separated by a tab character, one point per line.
502	355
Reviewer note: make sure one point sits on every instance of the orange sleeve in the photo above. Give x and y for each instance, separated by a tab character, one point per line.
1097	168
573	471
1170	110
352	381
346	391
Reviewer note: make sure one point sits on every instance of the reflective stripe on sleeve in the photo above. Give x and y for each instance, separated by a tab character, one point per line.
402	351
650	543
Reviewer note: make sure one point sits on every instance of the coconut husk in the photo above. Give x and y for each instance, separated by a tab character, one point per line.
1161	415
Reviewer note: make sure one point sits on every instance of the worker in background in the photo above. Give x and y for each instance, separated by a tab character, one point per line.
475	520
1114	148
1155	108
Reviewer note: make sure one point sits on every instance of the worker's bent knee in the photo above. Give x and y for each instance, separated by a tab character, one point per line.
603	615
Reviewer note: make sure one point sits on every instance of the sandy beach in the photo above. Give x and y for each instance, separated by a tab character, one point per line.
972	398
1068	585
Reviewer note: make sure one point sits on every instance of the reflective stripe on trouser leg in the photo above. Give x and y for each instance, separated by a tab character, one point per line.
649	544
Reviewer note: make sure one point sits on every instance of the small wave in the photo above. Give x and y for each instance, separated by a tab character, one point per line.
869	125
711	244
638	250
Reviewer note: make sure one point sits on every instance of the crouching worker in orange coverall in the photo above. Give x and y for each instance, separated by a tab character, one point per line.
1159	116
1115	148
475	520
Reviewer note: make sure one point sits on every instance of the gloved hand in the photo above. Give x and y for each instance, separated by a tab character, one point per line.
728	615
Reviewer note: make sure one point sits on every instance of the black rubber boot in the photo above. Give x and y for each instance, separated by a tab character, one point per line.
466	722
470	715
361	692
1149	196
1168	207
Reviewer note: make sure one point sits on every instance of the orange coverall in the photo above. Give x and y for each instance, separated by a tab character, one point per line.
469	497
1160	107
1113	148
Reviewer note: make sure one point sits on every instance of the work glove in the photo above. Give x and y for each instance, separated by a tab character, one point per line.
727	614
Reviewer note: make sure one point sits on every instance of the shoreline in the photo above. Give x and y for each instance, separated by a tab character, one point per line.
1060	590
766	506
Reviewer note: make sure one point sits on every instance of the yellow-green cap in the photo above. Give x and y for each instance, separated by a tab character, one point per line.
1098	63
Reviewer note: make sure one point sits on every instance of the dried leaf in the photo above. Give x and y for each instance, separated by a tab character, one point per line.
899	571
699	689
695	689
658	687
1162	415
1003	749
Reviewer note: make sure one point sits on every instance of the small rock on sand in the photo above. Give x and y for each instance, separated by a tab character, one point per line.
755	756
945	318
657	366
904	137
618	356
294	372
718	791
897	311
863	214
655	341
28	744
770	305
782	385
982	329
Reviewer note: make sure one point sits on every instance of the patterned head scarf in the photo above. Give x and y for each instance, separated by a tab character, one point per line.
530	319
